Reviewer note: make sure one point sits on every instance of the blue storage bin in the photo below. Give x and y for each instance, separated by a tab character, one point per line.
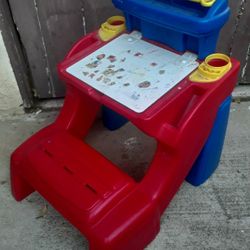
112	120
209	158
180	24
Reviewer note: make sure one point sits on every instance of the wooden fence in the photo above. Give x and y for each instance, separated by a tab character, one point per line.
47	29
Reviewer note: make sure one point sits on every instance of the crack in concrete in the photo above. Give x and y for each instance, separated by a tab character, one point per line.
221	203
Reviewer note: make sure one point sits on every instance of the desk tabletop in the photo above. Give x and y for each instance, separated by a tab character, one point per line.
132	71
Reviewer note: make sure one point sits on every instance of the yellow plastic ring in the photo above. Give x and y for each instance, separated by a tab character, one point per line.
115	23
112	27
210	71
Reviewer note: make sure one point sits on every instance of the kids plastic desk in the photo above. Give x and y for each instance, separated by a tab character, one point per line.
171	97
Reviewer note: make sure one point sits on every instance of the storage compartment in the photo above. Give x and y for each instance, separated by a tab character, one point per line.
183	7
181	24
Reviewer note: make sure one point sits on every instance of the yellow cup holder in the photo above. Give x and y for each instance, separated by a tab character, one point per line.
212	69
112	27
205	3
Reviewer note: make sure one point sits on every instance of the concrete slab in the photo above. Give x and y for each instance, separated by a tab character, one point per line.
242	93
213	216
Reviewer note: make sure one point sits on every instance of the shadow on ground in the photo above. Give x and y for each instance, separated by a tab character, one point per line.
213	216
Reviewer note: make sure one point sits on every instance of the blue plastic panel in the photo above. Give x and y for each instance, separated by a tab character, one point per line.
112	120
180	24
209	158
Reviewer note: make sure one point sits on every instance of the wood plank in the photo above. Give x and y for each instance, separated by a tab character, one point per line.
97	12
15	52
62	24
227	33
246	68
25	16
241	45
235	37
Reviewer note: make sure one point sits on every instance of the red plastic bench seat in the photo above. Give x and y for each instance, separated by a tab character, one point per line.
81	176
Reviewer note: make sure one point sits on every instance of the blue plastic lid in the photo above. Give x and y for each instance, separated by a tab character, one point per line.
180	15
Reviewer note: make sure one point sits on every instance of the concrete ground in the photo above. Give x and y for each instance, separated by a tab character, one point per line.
213	216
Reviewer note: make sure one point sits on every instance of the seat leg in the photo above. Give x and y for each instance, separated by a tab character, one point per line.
19	187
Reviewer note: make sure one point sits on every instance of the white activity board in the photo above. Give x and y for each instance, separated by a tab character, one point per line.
132	71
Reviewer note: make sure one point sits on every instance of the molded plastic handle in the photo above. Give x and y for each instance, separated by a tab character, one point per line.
179	114
205	3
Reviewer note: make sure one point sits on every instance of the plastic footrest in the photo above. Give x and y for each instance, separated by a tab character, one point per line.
76	173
